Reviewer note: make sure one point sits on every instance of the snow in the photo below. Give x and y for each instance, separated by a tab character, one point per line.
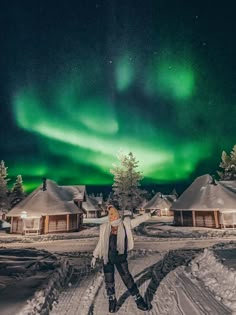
95	220
166	280
219	279
29	280
55	199
164	230
56	278
4	224
204	194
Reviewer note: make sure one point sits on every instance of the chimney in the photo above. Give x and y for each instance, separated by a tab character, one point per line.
44	183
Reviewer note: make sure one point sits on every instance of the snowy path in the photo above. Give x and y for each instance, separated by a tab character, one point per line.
88	296
199	296
140	268
162	281
70	300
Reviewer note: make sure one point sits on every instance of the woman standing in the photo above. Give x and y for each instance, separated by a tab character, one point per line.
115	240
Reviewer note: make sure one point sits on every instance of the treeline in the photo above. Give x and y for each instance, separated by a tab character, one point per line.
126	190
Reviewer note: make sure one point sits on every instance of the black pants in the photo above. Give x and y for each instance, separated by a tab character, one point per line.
122	268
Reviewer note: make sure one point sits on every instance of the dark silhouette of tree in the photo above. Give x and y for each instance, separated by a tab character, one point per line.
17	192
4	198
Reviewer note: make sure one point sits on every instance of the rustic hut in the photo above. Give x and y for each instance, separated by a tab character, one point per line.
159	203
207	203
91	207
101	203
140	207
171	198
48	209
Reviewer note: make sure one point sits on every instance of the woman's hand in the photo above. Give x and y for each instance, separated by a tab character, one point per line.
93	262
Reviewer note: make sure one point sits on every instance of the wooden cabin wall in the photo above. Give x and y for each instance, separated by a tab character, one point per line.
205	219
187	218
92	214
17	225
43	225
73	222
177	218
57	223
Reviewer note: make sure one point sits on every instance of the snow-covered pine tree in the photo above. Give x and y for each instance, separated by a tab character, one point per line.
224	164
4	198
17	192
233	163
126	192
228	165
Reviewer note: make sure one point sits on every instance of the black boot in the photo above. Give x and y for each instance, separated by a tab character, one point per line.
112	303
141	304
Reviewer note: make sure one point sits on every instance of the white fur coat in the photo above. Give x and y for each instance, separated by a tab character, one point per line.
129	224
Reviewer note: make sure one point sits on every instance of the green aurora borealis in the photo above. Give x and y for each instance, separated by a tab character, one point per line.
72	111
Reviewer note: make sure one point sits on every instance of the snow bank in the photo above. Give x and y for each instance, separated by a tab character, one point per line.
165	297
89	232
42	301
219	279
91	292
163	231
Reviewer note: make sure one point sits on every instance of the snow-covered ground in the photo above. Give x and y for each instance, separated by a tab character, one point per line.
173	272
30	280
158	228
177	282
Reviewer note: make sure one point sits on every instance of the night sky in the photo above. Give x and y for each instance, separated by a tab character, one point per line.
81	80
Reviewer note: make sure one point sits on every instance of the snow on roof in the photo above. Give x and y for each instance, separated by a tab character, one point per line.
99	199
77	191
158	202
171	197
55	200
90	204
206	194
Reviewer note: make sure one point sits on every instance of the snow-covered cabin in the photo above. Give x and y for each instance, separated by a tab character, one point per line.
77	192
140	207
207	203
160	203
48	209
91	207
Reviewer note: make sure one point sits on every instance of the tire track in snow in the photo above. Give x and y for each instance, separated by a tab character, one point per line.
202	297
157	278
